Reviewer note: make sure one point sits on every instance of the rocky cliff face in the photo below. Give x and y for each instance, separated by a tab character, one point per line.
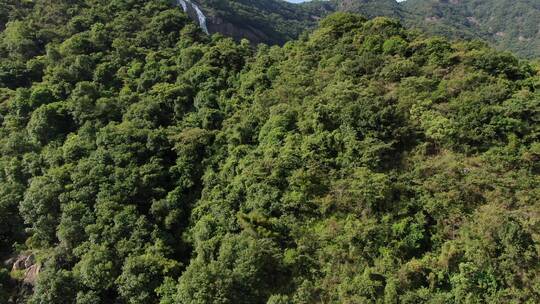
218	25
24	272
262	21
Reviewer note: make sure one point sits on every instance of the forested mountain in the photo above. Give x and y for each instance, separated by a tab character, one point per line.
278	21
369	8
507	24
512	25
267	21
143	162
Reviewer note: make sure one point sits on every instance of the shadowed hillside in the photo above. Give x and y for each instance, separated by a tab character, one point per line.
506	24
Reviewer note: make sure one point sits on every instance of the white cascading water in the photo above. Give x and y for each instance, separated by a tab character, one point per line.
200	14
183	4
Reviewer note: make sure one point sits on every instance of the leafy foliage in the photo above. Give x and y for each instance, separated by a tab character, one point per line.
506	24
145	162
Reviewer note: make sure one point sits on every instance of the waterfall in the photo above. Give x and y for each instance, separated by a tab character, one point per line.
183	4
200	15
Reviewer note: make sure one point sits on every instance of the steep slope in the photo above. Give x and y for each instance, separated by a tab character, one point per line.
278	21
268	21
143	162
512	25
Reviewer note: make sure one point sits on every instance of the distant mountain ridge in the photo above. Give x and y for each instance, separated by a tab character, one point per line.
512	25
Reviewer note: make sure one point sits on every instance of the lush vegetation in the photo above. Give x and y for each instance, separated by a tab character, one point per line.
510	25
369	8
507	24
144	162
268	21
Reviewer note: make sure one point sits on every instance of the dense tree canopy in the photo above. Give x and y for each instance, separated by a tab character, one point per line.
510	25
142	161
